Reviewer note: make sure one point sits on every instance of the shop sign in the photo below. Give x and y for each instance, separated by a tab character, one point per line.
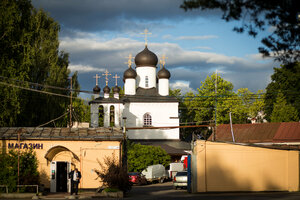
25	145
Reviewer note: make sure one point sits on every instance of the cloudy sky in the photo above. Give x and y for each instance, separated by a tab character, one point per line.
99	35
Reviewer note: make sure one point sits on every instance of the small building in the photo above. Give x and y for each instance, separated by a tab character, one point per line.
59	150
229	167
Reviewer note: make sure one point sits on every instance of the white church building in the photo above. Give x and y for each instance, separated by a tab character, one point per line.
146	107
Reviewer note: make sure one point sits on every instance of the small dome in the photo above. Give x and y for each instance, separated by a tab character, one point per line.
116	89
146	58
106	89
96	89
129	73
164	73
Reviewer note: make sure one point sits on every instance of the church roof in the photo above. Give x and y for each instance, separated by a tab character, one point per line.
148	95
146	58
106	100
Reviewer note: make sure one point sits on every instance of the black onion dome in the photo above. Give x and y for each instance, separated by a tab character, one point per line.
116	89
146	58
164	73
96	89
106	89
129	73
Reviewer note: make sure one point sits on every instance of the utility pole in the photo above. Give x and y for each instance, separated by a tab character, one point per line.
71	95
19	132
216	103
124	157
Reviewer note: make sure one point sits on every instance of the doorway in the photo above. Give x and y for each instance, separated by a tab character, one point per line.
62	177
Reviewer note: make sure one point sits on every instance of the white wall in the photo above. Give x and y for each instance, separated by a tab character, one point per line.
163	87
129	86
160	113
142	72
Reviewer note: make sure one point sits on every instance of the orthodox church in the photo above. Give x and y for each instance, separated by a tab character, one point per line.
146	109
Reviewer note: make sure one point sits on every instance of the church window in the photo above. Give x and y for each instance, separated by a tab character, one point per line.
101	116
112	116
147	119
146	81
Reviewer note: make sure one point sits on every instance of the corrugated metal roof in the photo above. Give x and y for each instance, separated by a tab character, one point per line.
288	132
49	133
259	133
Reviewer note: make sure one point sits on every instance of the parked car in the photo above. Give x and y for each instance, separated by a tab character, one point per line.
137	178
173	168
180	180
155	173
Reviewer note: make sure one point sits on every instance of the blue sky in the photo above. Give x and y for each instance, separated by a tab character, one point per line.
99	35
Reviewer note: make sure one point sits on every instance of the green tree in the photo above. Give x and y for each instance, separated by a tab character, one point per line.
285	80
282	111
141	156
29	174
30	52
283	42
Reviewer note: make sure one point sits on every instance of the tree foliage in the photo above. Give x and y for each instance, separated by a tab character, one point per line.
243	104
29	174
112	174
282	111
141	156
29	50
283	43
285	80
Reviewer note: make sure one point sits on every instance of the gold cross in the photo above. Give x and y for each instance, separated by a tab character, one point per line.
106	74
163	59
96	77
146	32
116	77
129	62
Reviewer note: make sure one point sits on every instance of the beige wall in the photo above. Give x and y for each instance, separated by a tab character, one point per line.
87	151
232	167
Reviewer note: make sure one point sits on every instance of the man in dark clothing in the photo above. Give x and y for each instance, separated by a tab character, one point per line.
75	177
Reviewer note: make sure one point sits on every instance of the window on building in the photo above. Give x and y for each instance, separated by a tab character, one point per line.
146	81
101	116
112	116
147	119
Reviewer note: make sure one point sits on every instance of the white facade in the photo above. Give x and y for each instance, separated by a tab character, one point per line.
146	77
129	86
162	115
163	86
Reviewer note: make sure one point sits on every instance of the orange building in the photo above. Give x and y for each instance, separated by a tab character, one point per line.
59	150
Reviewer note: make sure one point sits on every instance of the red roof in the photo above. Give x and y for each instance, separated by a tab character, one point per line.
259	133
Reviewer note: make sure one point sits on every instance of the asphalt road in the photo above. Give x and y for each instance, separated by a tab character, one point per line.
165	191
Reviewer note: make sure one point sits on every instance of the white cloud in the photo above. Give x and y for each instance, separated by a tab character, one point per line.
84	68
184	86
190	37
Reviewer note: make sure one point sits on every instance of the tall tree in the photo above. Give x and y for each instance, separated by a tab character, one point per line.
285	80
30	49
283	43
282	111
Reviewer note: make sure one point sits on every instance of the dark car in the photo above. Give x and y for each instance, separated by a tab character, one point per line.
137	178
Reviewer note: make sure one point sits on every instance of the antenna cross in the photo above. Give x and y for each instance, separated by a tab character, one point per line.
116	77
96	77
146	33
106	74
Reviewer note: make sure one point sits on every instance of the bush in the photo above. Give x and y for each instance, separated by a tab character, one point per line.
141	156
28	169
113	175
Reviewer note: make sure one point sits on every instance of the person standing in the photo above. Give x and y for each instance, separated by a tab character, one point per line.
75	177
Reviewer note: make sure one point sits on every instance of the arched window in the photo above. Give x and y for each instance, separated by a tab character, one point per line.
146	81
112	116
101	116
147	119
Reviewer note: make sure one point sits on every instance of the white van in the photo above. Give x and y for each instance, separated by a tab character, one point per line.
155	173
173	168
